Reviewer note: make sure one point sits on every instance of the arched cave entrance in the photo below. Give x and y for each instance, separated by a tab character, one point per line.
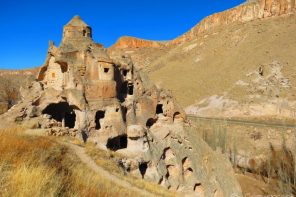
177	116
119	142
159	109
99	115
61	112
143	168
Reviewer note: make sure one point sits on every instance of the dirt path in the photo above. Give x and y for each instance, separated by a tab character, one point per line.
89	162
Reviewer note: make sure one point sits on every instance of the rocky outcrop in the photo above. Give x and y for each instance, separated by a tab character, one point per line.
249	11
131	42
83	91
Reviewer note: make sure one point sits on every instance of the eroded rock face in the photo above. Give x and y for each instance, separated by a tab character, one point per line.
131	42
83	91
249	11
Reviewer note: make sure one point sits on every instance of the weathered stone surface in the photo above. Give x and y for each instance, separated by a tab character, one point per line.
81	90
253	10
131	42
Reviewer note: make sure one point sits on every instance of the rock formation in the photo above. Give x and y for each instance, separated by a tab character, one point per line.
131	42
84	92
248	11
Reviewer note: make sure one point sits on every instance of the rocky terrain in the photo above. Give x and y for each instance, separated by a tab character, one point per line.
81	91
230	72
237	64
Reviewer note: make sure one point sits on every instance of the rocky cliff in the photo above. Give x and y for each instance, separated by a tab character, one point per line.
131	42
249	11
82	91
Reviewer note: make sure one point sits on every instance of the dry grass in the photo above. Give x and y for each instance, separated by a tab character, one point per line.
276	172
107	160
226	56
37	166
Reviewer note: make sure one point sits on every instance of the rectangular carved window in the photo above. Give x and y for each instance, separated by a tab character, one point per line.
106	70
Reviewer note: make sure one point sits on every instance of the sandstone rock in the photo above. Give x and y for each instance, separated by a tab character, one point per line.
130	42
83	91
249	11
136	131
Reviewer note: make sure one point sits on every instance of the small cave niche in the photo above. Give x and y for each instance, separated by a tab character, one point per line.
117	143
199	189
167	154
177	116
64	67
124	72
61	112
261	71
159	109
106	70
84	33
130	89
196	186
143	168
160	181
150	122
99	115
186	168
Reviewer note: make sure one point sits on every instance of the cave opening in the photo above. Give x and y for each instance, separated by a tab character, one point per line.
70	118
143	168
159	109
130	88
61	112
124	72
117	143
177	116
150	122
99	115
197	187
106	70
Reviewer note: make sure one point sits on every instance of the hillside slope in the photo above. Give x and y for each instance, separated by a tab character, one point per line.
236	63
213	62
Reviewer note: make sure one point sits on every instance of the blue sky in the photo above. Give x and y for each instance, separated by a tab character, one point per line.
28	25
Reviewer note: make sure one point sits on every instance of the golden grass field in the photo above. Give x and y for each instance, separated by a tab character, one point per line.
38	166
